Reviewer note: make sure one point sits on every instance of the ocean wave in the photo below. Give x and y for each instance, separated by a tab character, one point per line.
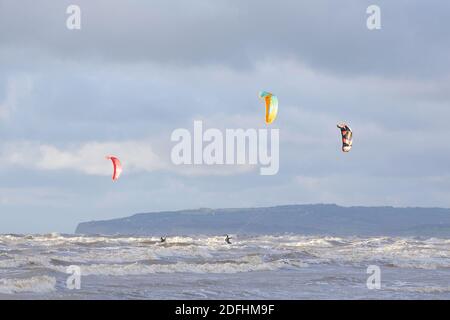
62	250
182	267
244	264
429	289
39	284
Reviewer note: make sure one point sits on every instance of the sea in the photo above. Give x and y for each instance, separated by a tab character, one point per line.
61	266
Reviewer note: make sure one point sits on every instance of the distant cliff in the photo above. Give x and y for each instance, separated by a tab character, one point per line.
319	219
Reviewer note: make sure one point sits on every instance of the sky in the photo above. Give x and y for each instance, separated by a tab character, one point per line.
138	70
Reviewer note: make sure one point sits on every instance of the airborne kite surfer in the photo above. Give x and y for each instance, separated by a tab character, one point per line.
347	137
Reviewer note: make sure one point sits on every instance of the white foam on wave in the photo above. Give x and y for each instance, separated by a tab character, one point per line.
398	252
39	284
428	289
253	264
17	261
11	263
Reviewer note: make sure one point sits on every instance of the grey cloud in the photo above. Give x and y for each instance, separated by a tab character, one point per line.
139	71
328	35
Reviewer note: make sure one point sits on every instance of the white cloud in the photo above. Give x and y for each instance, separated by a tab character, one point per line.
16	89
88	158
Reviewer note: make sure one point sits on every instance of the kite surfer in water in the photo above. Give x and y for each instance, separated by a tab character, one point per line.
227	239
163	239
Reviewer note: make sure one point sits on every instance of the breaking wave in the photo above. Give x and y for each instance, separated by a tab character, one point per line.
39	284
37	263
206	254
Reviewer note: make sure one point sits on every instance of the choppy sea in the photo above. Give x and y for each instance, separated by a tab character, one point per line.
258	267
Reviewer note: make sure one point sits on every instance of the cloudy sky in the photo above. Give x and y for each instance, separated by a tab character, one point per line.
136	72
